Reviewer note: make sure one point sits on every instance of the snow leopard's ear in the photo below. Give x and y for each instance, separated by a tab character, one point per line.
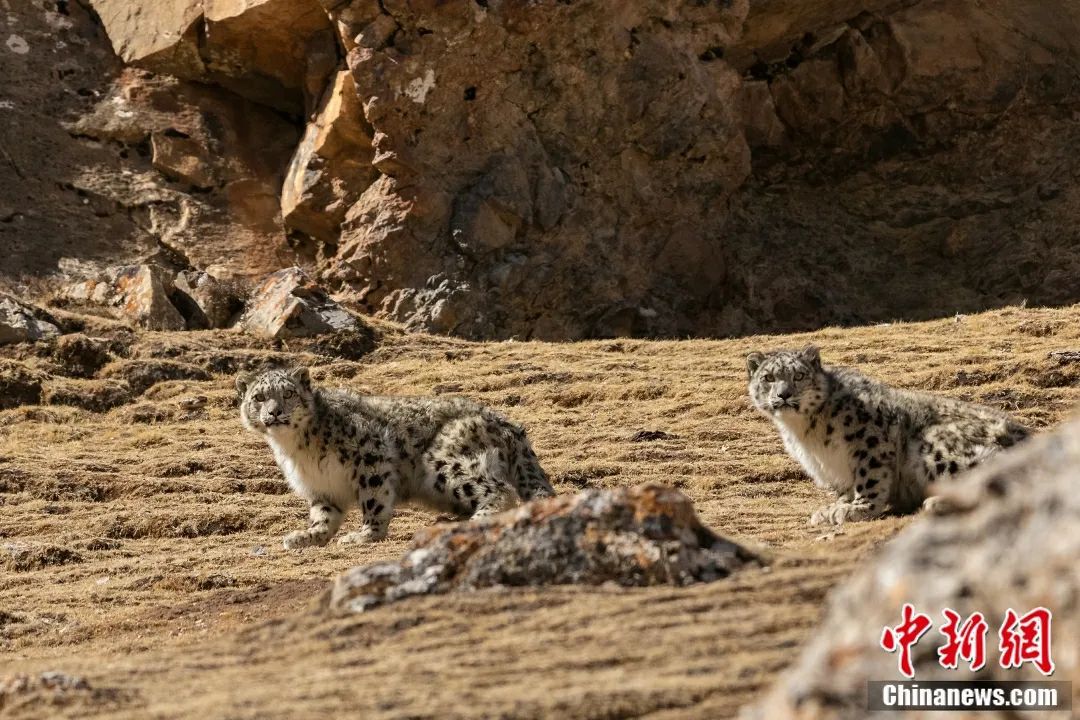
753	362
301	377
812	355
242	381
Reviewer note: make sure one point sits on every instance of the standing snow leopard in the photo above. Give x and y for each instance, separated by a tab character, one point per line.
876	447
339	449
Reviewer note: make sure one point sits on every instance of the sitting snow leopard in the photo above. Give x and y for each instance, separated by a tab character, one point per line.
876	447
338	449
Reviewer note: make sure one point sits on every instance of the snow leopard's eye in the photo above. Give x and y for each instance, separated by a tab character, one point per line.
770	378
287	394
259	397
799	376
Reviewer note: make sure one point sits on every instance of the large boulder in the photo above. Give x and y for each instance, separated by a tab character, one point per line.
22	322
157	298
558	171
563	170
275	52
162	37
1010	538
646	535
289	304
139	293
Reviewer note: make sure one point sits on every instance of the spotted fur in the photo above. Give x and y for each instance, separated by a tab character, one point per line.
877	448
338	449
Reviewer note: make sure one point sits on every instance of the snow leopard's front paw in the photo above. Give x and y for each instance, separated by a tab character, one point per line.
828	515
298	539
938	505
363	536
843	511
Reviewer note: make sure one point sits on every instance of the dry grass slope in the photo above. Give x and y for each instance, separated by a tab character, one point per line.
140	546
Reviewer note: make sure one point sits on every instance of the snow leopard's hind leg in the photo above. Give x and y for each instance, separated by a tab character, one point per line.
468	470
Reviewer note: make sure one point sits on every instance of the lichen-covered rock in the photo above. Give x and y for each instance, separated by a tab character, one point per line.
21	322
155	298
646	535
1009	538
290	304
139	293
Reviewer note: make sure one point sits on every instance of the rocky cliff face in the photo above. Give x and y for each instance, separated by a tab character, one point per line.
564	170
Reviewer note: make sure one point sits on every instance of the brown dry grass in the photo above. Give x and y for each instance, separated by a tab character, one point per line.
140	547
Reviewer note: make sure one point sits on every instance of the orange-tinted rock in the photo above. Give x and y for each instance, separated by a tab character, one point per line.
204	138
158	36
646	535
554	170
538	156
260	49
331	166
290	304
138	293
182	159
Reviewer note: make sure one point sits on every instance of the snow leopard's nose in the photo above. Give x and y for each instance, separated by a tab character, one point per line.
784	393
273	409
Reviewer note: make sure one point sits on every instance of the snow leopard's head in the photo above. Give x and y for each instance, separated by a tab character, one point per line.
274	400
786	381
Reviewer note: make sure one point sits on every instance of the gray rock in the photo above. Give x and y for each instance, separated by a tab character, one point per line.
20	322
139	293
646	535
205	301
290	304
